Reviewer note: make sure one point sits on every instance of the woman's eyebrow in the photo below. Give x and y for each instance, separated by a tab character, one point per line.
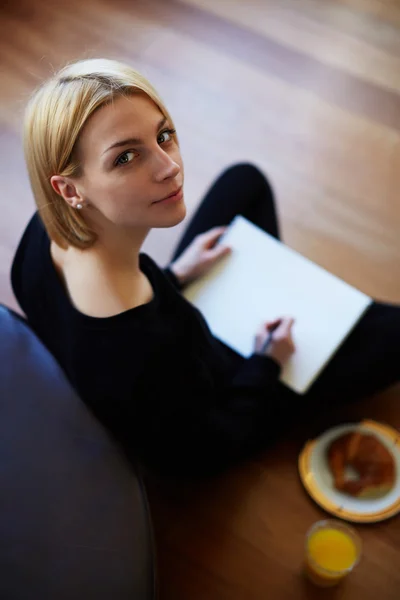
136	141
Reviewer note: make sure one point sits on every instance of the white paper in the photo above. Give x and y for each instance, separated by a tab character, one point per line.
262	280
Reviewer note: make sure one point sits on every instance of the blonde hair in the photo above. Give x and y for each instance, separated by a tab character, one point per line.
54	118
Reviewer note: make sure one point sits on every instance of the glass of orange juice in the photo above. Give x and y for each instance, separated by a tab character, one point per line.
332	551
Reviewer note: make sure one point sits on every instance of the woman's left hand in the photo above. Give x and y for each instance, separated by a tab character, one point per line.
199	256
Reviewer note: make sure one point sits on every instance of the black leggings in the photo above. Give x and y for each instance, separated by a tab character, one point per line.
368	360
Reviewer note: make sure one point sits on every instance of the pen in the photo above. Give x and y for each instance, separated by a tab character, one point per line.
268	339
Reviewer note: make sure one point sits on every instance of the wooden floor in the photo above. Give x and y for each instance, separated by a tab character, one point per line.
309	90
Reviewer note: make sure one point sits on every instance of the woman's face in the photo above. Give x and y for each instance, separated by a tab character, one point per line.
131	163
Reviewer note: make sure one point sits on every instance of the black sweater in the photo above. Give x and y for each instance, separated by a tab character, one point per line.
174	396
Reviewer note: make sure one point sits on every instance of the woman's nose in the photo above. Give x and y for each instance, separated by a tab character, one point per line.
164	166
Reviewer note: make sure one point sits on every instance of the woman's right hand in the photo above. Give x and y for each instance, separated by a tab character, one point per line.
281	346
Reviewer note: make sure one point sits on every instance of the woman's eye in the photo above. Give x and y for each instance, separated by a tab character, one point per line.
165	136
125	158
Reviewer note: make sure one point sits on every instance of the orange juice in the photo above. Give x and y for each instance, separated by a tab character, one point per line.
333	550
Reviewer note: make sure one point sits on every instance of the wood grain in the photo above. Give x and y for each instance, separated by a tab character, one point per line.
319	32
242	536
309	91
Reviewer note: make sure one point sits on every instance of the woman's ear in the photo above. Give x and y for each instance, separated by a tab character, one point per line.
66	189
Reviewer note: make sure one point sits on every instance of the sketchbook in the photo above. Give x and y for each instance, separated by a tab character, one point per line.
261	280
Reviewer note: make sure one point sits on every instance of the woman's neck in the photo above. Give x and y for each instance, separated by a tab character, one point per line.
105	279
118	250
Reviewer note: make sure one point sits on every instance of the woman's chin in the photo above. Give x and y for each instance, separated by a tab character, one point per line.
171	217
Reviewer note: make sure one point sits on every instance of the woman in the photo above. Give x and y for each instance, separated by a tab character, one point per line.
105	167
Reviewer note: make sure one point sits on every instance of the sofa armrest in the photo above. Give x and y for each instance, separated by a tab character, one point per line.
74	519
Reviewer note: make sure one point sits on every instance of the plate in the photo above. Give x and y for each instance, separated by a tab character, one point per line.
318	480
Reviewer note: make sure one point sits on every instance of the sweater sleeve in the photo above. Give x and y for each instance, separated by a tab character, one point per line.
202	432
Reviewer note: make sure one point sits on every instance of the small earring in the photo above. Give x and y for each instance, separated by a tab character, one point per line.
79	206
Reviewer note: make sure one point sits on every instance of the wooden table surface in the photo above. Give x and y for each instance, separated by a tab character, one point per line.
241	537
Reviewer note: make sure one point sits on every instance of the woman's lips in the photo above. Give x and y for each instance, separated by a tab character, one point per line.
174	197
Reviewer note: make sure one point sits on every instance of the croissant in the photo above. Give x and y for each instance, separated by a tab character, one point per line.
369	458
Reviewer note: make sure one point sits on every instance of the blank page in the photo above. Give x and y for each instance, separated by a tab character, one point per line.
262	280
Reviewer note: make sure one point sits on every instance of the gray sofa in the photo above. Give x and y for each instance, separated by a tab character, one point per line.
74	520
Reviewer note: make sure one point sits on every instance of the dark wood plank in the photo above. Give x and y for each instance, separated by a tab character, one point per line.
245	532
